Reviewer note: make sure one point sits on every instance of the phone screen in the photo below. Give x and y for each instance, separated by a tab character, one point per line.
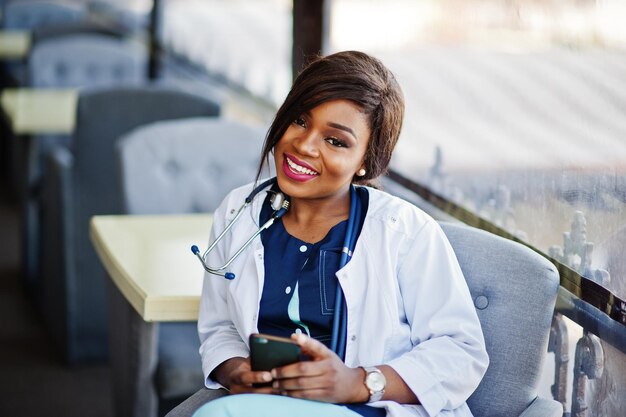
268	352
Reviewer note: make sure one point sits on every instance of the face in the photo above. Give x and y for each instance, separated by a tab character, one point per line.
322	150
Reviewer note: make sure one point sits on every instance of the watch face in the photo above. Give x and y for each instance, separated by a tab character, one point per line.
375	381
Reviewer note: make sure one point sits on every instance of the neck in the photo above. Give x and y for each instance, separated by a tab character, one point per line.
311	219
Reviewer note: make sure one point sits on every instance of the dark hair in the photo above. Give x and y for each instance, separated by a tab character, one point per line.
354	76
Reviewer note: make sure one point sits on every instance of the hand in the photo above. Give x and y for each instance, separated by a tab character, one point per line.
324	378
236	375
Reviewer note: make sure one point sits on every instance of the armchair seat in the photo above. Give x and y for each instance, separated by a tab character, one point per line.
178	373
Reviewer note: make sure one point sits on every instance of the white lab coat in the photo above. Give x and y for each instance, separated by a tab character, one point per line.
408	304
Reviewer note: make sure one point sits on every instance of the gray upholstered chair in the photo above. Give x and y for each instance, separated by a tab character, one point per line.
85	60
78	61
514	291
33	14
83	183
186	166
179	166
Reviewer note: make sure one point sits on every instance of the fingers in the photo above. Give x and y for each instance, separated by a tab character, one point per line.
304	368
300	383
252	382
310	394
251	377
311	347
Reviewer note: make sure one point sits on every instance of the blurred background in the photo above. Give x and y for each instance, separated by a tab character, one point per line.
515	122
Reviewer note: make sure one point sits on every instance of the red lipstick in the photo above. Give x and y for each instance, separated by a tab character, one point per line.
290	168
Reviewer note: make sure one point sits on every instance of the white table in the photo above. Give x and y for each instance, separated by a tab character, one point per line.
33	115
40	111
154	278
150	261
14	44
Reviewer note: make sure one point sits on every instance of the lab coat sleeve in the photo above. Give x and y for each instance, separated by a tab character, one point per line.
219	339
448	359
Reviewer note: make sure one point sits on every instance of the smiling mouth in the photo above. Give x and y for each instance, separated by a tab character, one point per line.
299	169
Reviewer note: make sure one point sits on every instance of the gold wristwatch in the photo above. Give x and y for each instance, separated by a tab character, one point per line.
375	383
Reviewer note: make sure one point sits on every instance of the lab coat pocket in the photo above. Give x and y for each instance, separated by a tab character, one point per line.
329	263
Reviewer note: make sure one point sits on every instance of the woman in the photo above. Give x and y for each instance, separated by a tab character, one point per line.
413	343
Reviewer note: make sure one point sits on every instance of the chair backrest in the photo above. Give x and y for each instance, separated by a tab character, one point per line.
103	115
33	14
87	26
186	166
514	290
86	60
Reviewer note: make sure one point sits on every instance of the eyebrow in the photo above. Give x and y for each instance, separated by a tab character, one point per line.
342	127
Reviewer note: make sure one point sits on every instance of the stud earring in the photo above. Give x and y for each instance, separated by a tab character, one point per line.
361	172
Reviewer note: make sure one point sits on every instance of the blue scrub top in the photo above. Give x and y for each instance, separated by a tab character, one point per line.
300	283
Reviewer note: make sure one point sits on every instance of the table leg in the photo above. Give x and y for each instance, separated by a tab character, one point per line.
133	349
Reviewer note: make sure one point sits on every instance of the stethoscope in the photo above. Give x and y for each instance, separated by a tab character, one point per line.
280	205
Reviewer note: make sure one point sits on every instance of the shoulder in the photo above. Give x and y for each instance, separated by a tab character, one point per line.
393	212
234	200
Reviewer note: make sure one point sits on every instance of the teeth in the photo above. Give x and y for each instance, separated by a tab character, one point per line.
299	168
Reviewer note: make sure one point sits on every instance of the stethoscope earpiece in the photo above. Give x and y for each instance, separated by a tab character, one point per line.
276	200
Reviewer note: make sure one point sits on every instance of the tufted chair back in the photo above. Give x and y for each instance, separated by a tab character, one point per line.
514	291
86	60
70	61
182	166
33	14
87	185
186	166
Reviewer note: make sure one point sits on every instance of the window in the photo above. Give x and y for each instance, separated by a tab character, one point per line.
246	43
516	111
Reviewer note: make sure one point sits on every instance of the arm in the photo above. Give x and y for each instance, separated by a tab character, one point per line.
327	378
224	353
219	339
448	359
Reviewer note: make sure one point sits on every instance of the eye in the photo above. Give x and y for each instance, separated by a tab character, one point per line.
300	121
336	142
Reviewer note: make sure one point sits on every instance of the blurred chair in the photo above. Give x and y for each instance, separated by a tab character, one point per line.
180	166
83	183
87	26
85	60
186	166
33	14
514	291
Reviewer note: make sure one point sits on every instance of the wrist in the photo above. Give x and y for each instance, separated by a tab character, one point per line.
361	394
223	372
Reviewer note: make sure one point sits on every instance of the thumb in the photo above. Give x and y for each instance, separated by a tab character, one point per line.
313	348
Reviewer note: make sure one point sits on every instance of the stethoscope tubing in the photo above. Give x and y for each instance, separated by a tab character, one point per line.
338	337
221	271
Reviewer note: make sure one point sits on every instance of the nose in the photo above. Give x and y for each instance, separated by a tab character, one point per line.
308	144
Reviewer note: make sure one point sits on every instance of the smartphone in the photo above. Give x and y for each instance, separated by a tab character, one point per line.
268	352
